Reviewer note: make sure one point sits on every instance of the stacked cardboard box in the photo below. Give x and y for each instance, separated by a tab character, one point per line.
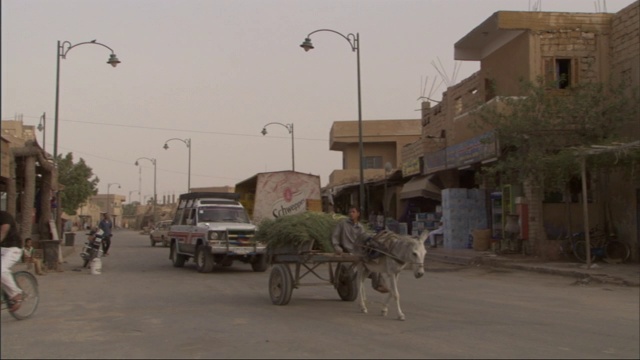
463	210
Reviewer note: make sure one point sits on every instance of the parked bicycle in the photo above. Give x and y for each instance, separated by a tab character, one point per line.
567	245
30	295
602	246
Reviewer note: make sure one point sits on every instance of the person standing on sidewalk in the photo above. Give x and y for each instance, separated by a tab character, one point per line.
106	226
28	256
11	244
431	239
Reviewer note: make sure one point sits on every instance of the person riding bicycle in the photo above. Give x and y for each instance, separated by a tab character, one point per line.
11	253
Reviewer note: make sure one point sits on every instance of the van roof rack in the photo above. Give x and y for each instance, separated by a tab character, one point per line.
210	195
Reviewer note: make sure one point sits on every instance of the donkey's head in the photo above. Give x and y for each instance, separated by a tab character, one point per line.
417	258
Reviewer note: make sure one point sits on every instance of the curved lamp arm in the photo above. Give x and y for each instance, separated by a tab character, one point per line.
153	161
185	141
351	39
289	127
66	46
109	186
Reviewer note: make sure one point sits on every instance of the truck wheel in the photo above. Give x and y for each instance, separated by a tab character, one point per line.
178	260
204	259
259	264
280	284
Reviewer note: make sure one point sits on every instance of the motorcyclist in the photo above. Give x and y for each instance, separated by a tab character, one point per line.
106	226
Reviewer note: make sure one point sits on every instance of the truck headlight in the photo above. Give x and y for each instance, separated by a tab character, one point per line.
216	235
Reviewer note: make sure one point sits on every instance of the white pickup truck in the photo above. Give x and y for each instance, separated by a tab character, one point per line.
214	228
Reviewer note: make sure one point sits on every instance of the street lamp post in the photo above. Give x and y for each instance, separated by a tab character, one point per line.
289	128
130	192
61	53
188	143
155	195
109	199
354	42
385	206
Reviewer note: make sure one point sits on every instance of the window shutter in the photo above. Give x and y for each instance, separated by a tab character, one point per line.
549	71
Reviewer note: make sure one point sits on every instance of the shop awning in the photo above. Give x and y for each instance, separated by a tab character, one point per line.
421	186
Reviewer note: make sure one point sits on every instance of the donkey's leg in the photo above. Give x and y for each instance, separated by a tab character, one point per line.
396	294
385	303
362	297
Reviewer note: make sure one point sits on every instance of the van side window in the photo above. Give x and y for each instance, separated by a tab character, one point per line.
185	216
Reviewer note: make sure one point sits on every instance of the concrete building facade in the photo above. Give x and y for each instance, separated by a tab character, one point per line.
569	48
383	141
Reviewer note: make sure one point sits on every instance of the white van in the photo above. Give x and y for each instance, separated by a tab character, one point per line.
214	228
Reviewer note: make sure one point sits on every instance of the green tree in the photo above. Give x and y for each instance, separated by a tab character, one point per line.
130	209
538	132
78	180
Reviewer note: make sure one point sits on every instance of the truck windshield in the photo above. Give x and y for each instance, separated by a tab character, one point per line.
222	214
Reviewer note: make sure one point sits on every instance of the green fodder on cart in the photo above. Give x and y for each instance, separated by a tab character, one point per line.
293	230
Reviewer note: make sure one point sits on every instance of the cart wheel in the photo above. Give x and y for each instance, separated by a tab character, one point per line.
280	284
347	285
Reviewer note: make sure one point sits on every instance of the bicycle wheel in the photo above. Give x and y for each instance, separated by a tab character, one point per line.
30	295
565	248
580	251
616	252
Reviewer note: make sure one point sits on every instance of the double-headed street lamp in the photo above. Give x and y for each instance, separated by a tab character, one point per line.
61	53
155	196
109	199
188	143
354	42
290	129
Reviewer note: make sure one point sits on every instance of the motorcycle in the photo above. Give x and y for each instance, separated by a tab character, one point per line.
92	247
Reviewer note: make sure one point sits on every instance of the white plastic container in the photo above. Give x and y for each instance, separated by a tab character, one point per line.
96	266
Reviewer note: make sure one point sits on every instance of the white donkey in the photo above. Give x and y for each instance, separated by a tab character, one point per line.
398	252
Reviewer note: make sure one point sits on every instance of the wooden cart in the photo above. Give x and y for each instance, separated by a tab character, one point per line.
291	264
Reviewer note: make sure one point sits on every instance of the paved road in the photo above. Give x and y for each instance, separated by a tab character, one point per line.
142	307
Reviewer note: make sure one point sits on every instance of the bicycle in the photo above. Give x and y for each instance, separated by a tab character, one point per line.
567	246
30	295
602	247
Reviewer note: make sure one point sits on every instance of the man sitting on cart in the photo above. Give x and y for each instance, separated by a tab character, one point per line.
344	239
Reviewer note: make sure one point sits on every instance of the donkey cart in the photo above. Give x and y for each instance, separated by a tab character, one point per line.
292	264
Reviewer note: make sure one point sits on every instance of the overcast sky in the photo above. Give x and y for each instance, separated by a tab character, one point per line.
217	71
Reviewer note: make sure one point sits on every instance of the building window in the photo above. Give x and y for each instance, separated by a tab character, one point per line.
489	89
560	73
373	162
563	73
458	105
